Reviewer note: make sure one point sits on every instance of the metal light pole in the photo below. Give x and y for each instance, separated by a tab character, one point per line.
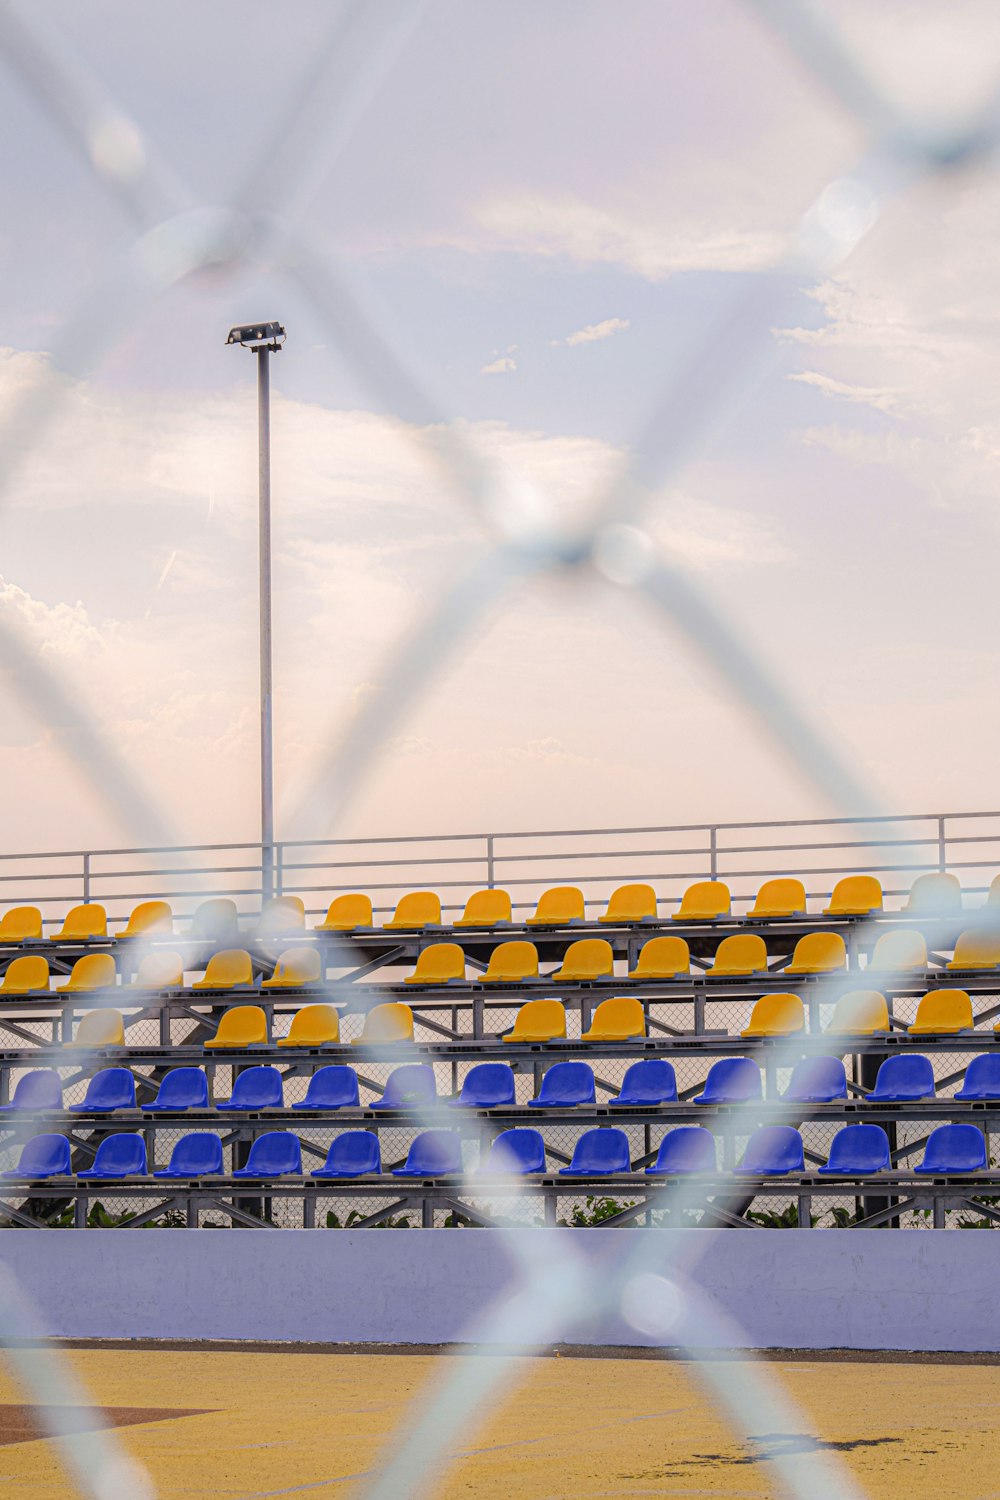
264	339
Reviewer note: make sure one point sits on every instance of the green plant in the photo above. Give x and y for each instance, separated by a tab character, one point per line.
787	1219
597	1210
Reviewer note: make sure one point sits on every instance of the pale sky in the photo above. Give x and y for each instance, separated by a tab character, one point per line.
546	208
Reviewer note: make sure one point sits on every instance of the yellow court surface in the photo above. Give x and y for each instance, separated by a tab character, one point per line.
244	1426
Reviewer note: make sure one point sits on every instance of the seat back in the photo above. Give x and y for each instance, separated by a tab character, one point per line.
631	903
731	1079
817	1080
216	920
857	1150
904	1076
332	1087
773	1150
312	1026
242	1026
257	1088
935	894
159	971
662	958
944	1010
650	1081
347	912
355	1153
780	1014
295	967
389	1022
855	896
568	1083
226	970
81	922
992	898
704	900
438	964
779	898
282	914
100	1028
976	949
982	1077
409	1086
20	924
954	1148
512	963
41	1089
196	1155
743	953
417	909
25	974
538	1021
488	1086
558	907
182	1088
589	958
435	1153
486	909
45	1156
600	1151
617	1019
148	917
273	1154
516	1152
690	1148
111	1088
818	953
95	971
860	1013
899	951
121	1154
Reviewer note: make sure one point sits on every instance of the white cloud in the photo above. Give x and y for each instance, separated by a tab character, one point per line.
593	331
499	366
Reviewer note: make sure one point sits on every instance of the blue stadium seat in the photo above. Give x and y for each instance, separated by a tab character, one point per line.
196	1155
954	1148
772	1151
731	1080
255	1088
355	1153
690	1148
181	1088
651	1081
488	1085
408	1087
599	1152
41	1089
111	1088
118	1156
516	1152
566	1083
333	1087
817	1080
857	1151
903	1078
982	1078
434	1153
277	1153
43	1156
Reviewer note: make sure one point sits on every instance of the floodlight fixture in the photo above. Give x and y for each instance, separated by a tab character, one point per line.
257	336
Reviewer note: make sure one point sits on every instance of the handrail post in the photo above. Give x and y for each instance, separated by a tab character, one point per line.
278	869
86	878
713	852
489	861
942	846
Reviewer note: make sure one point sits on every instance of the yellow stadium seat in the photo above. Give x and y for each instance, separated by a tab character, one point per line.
345	913
935	894
312	1026
558	907
390	1022
280	916
100	1028
743	953
149	917
631	903
943	1010
96	971
900	950
243	1026
860	1013
776	1015
512	963
229	970
703	901
590	958
296	967
216	920
617	1020
417	909
26	974
855	896
818	953
20	924
438	964
779	898
662	958
486	909
81	923
976	950
992	898
160	971
539	1021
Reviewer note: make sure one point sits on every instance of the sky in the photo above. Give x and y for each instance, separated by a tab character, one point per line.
547	212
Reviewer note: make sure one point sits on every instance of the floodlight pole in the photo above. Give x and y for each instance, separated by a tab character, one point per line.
264	559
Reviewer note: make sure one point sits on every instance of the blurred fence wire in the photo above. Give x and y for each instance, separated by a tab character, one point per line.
175	235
